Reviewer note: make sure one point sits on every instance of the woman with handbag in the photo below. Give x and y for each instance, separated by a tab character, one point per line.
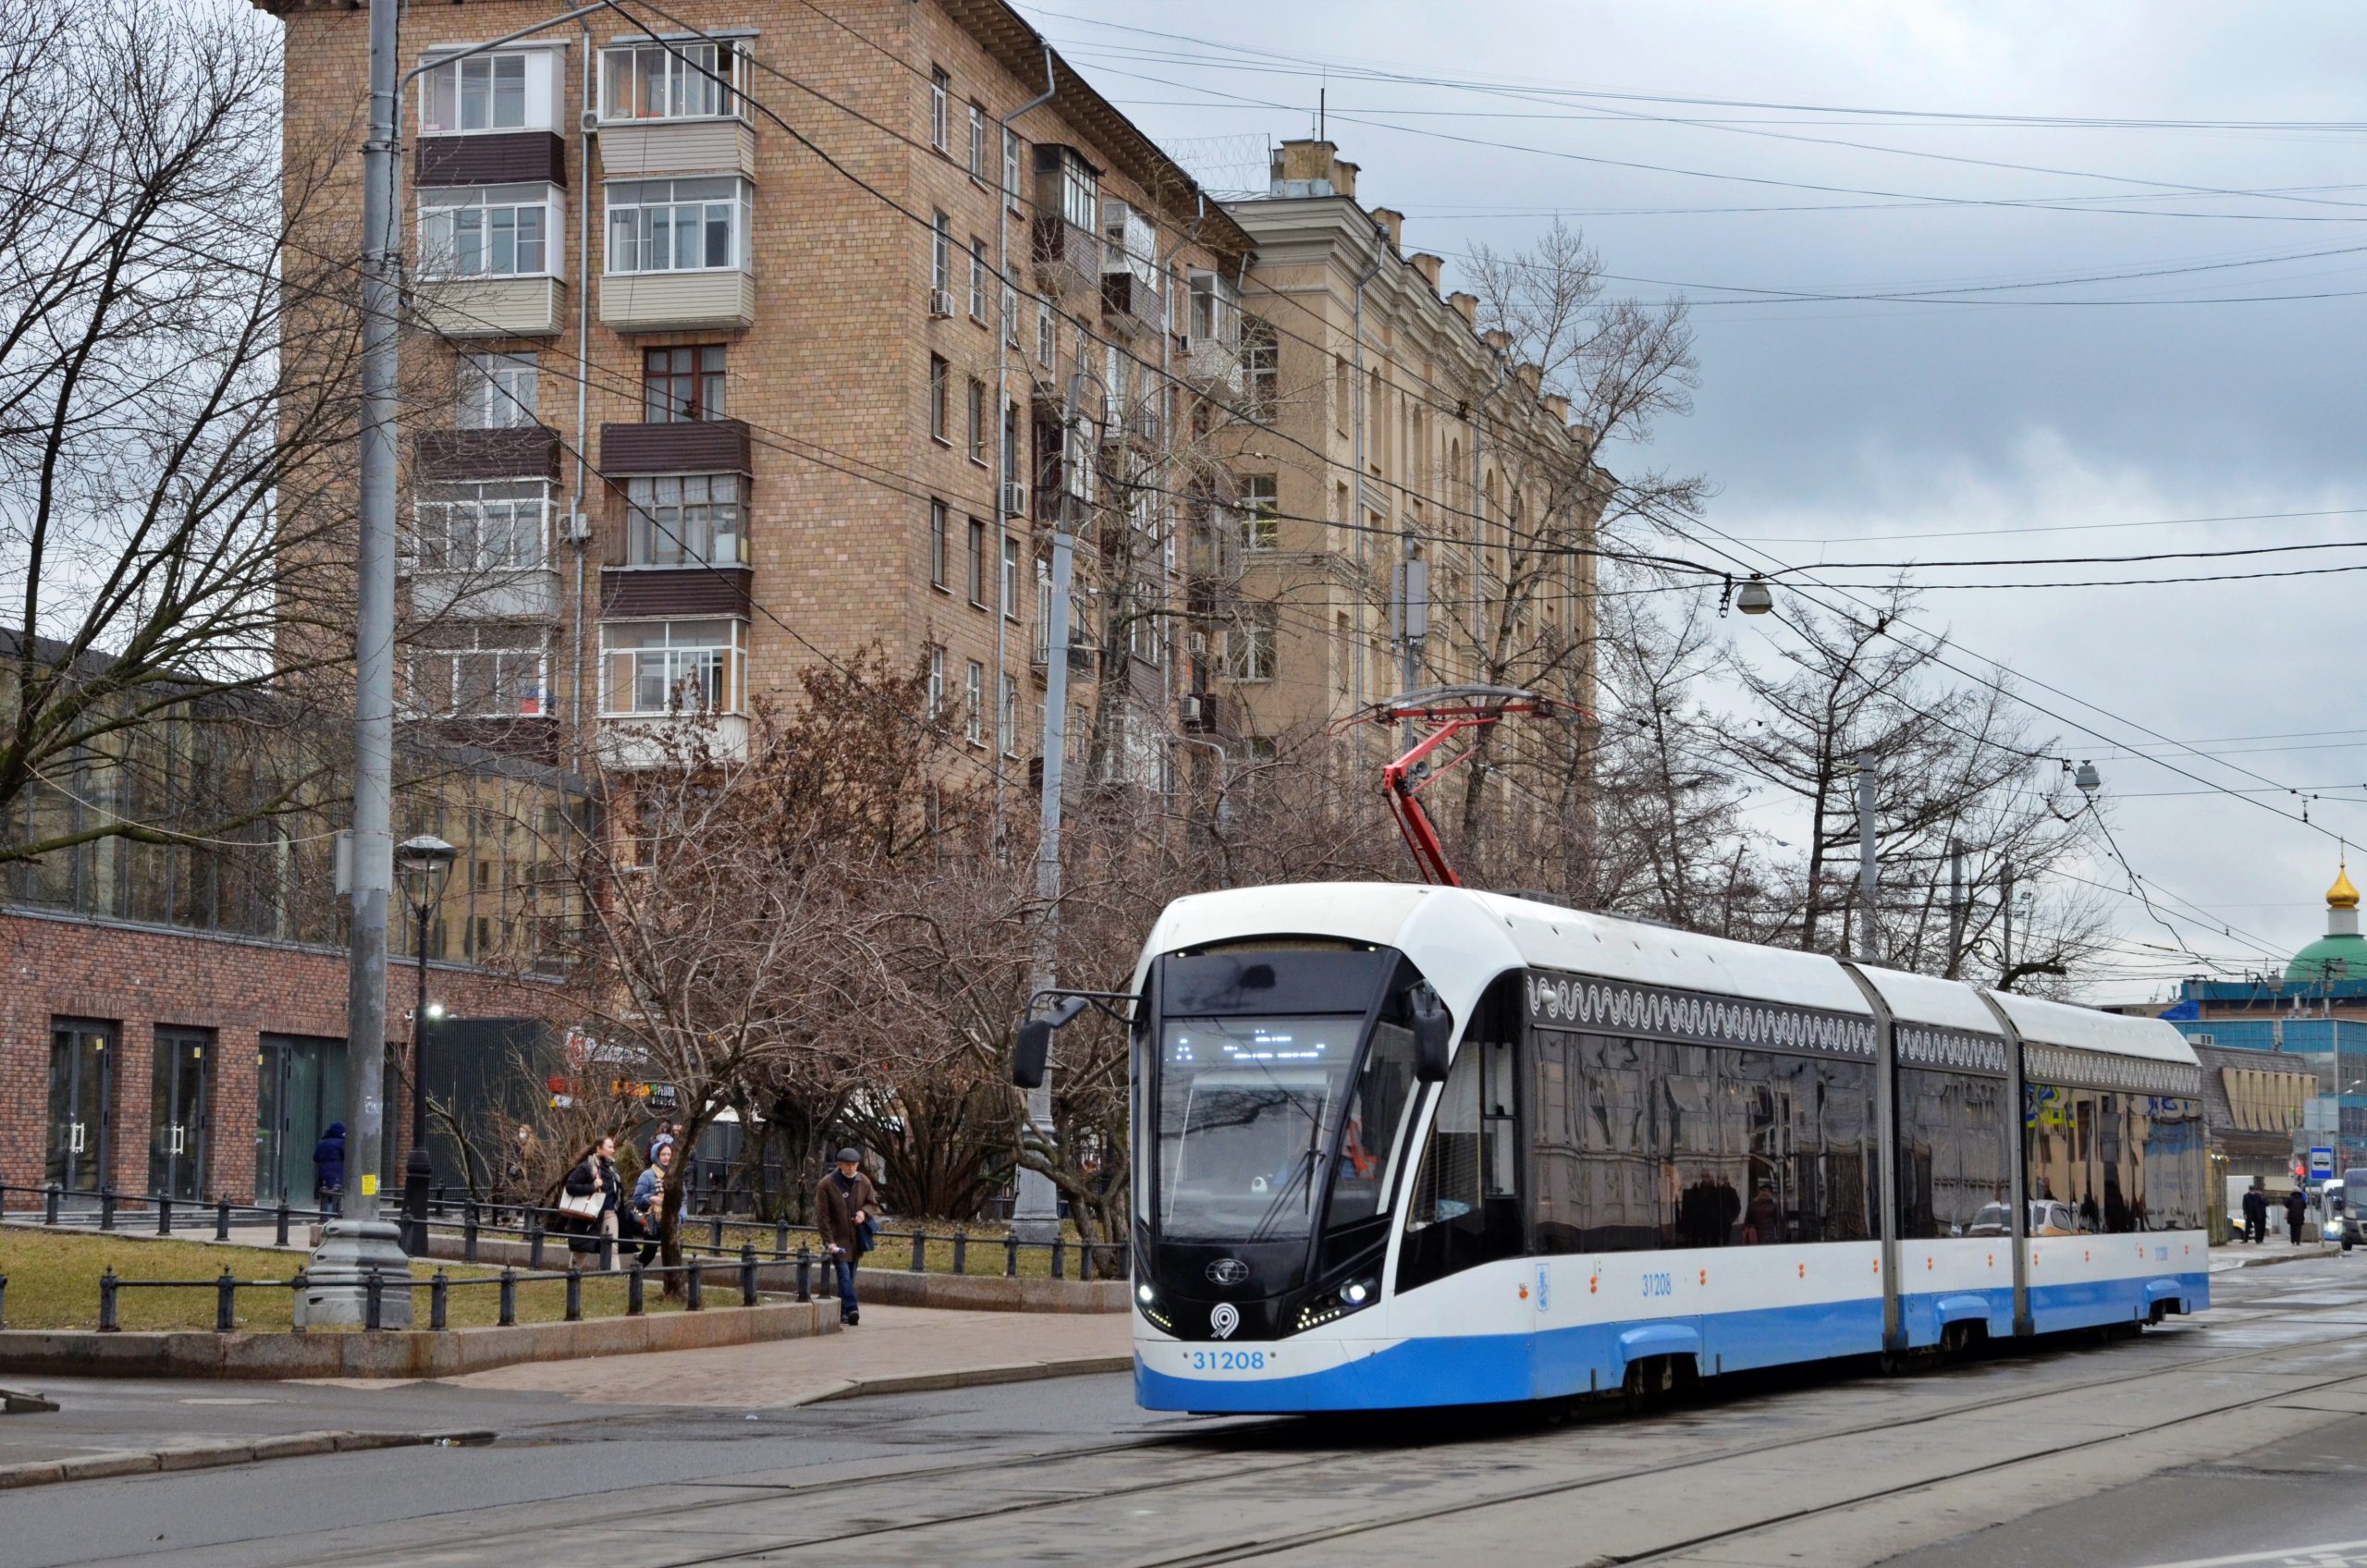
588	1200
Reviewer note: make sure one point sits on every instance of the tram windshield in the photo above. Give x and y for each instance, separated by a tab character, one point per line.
1244	1105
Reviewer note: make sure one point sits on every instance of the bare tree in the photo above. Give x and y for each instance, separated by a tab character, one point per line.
163	523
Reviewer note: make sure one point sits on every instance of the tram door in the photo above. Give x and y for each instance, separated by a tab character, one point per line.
80	1061
179	1107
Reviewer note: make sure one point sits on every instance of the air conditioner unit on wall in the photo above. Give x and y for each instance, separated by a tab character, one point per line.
1014	498
940	303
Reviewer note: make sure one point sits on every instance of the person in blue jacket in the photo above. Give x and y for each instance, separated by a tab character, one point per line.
328	1168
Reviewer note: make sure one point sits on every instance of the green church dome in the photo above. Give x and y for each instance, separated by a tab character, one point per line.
2340	956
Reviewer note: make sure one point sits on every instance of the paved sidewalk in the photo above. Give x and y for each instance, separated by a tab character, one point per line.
2274	1248
895	1349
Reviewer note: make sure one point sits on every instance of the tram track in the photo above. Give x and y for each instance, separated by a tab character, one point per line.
1242	1551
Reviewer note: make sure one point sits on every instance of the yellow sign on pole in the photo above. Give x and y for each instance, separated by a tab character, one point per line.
370	1186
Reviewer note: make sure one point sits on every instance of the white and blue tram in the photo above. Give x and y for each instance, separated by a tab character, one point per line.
1616	1156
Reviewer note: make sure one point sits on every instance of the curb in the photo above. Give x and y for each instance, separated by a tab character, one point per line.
17	1402
293	1445
973	1378
2268	1260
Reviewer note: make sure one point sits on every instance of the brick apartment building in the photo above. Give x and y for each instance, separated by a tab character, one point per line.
760	344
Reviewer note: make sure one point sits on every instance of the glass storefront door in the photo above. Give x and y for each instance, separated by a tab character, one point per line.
177	1122
81	1058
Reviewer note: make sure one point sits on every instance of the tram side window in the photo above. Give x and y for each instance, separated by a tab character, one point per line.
1370	1135
2172	1157
1461	1214
1952	1156
2081	1153
1644	1143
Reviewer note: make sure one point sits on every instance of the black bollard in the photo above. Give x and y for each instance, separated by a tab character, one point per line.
804	1272
439	1293
226	1303
748	1274
222	1219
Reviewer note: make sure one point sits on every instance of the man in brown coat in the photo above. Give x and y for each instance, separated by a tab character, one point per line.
843	1205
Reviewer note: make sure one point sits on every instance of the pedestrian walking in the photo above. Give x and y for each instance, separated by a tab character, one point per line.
328	1169
2297	1205
845	1208
594	1176
667	1132
2256	1213
525	1154
648	1209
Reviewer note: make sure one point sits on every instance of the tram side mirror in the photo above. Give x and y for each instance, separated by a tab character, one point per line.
1034	1052
1433	1034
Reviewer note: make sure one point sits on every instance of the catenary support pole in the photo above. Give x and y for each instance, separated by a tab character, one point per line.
359	1242
1869	875
1956	905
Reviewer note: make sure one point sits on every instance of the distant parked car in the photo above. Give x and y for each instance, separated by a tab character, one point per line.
2048	1217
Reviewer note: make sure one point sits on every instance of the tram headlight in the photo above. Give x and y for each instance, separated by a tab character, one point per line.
1143	1294
1356	1295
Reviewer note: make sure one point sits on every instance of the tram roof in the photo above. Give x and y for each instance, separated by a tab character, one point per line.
1462	938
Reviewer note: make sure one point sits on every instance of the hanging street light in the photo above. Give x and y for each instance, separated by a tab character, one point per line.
1754	596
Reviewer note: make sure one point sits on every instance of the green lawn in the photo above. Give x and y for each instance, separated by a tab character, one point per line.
54	1284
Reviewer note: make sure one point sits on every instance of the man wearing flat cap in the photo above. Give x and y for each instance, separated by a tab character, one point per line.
845	1207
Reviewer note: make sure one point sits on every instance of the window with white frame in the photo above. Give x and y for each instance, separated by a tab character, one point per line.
1080	193
660	666
977	141
698	224
490	231
1249	644
1215	315
1010	726
495	90
1260	512
685	520
1143	629
683	81
940	105
1010	577
940	261
482	525
977	279
492	673
1010	164
973	696
1047	333
496	392
1262	368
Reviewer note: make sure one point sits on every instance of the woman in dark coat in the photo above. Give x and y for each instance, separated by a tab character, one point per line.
596	1171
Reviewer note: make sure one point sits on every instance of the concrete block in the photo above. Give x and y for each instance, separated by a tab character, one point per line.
36	1475
295	1445
204	1458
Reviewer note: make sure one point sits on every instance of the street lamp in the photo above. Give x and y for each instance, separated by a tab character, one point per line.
2088	779
1754	597
420	865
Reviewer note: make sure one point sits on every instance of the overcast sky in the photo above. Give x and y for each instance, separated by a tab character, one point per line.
1857	429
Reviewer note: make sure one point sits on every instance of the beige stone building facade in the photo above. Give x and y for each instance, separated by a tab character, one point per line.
1393	432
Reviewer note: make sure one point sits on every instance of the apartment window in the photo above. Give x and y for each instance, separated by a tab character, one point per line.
1249	644
938	544
480	92
1143	638
489	231
682	385
1215	313
977	141
977	280
1262	368
940	257
679	225
974	693
1011	577
1010	726
496	392
665	666
1080	193
482	525
941	104
1009	312
977	413
670	82
685	520
1010	164
1340	395
978	580
1260	512
1047	333
493	673
935	681
939	373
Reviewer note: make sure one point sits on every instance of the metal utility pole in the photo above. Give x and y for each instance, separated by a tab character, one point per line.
2005	941
1956	902
359	1242
1036	1209
1411	604
1868	876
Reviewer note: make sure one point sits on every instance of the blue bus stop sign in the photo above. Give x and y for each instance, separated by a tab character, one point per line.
2320	1164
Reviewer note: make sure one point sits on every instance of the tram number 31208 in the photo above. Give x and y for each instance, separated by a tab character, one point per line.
1659	1285
1227	1361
